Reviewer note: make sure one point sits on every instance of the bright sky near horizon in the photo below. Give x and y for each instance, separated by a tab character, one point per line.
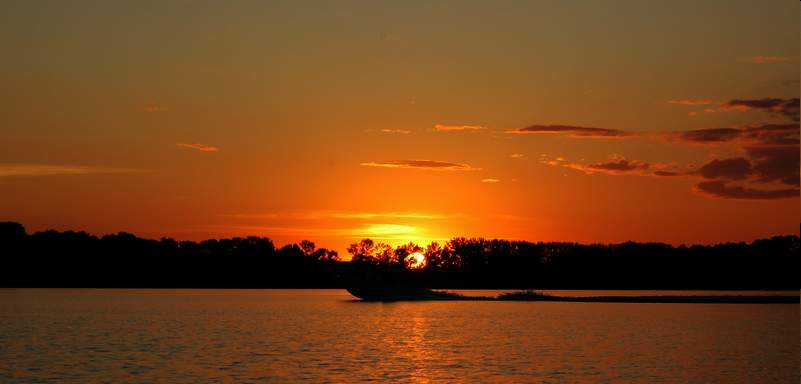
591	121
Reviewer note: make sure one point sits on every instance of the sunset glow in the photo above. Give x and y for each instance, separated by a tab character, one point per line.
409	125
418	260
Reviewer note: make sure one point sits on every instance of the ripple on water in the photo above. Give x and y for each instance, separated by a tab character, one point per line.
323	336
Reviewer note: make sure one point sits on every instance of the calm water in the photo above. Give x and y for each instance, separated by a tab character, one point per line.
194	336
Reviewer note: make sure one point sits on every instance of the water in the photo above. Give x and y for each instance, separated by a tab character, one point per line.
195	336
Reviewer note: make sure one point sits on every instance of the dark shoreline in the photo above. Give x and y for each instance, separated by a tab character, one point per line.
776	299
534	296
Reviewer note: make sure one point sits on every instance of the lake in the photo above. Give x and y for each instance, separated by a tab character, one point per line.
196	336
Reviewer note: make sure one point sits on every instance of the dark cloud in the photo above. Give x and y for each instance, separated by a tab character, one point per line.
775	163
707	136
782	134
768	167
785	107
730	169
760	134
421	164
572	131
725	190
666	173
617	165
620	165
766	164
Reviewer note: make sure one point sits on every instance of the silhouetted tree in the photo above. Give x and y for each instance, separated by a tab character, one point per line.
69	259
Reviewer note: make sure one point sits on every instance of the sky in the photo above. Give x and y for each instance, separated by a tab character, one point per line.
591	121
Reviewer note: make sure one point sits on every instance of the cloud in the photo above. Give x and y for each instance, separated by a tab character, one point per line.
572	131
666	173
379	230
341	215
784	107
766	59
725	190
10	170
385	215
768	133
517	155
400	131
782	134
430	165
199	147
375	231
620	165
452	128
617	165
490	180
775	163
153	108
766	164
691	101
731	169
706	136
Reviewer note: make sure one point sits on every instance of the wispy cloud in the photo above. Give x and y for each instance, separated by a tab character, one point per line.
784	107
399	131
198	147
430	165
341	215
517	155
619	166
757	134
376	231
691	101
725	190
384	215
490	180
10	170
454	128
616	165
705	136
572	131
383	230
766	59
154	108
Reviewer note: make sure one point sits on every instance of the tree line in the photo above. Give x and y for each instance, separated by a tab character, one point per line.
78	259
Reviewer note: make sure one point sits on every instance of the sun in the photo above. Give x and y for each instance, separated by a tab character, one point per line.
417	260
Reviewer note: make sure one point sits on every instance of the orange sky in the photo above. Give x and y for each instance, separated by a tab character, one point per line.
541	120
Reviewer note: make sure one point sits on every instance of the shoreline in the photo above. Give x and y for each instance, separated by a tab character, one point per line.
534	296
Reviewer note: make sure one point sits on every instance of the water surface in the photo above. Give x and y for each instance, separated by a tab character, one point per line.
193	336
